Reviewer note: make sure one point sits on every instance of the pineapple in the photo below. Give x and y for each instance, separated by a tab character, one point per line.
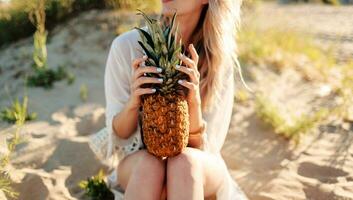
165	117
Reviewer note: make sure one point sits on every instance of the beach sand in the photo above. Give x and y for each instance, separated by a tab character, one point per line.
54	154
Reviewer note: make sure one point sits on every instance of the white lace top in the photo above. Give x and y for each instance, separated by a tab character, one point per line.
117	81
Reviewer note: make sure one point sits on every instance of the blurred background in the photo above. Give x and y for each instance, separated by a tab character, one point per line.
289	139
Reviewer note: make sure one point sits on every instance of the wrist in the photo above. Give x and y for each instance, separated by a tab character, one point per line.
131	106
195	103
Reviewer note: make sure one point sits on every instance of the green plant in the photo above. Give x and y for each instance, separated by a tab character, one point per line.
5	181
83	92
96	188
16	18
242	96
282	49
11	114
5	185
46	77
43	76
345	108
37	17
291	128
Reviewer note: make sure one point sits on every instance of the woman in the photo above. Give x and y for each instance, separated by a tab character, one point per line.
199	171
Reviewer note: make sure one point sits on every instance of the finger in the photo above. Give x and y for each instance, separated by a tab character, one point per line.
187	84
142	80
142	70
194	75
142	91
190	63
193	52
136	62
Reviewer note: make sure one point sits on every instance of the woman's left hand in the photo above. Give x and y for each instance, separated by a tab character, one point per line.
191	70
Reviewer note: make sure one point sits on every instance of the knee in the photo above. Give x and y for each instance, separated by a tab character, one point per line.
149	164
185	165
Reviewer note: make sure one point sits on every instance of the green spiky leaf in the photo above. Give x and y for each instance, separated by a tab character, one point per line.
147	36
162	47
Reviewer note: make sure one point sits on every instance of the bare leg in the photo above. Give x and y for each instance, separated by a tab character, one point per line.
196	173
142	176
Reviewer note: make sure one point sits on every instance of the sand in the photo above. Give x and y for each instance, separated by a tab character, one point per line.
54	155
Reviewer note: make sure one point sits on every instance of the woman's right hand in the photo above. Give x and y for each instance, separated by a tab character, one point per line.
139	79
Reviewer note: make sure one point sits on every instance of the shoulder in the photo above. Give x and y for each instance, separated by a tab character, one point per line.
127	41
123	49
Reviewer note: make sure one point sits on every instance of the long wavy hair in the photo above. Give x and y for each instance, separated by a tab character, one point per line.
214	38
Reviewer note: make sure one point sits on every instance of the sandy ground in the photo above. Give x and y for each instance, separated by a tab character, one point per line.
55	156
332	26
268	166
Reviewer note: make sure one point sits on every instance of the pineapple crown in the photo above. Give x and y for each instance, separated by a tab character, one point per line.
162	48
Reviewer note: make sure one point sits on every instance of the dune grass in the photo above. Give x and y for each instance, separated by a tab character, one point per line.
15	17
83	92
42	76
242	96
37	17
279	50
20	115
5	186
292	128
45	77
17	108
345	92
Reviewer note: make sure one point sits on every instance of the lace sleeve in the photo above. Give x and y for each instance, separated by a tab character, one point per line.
117	92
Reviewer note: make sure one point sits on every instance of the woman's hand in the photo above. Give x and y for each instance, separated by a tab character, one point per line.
139	79
193	98
191	70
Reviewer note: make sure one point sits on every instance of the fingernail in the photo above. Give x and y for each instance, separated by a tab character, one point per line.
180	81
177	66
159	69
153	90
160	80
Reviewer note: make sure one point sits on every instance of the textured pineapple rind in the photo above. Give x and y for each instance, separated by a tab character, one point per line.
165	124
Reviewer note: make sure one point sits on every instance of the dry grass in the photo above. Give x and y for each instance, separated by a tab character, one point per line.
37	16
17	108
291	126
280	49
83	92
5	181
285	49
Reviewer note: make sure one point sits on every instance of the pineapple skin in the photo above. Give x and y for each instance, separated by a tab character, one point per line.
165	117
165	124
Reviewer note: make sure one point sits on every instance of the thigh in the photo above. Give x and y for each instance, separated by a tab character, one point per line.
126	166
213	170
129	163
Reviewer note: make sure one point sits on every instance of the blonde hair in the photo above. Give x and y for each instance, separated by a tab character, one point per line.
214	38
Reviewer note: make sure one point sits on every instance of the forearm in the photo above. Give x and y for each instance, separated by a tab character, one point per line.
125	122
195	118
